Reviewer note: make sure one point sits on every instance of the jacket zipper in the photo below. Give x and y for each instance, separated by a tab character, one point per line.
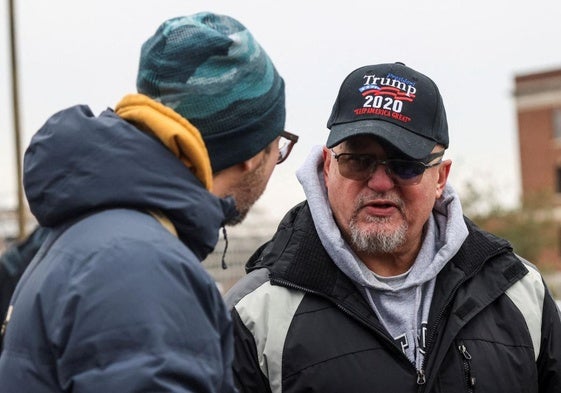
6	321
421	373
421	376
468	372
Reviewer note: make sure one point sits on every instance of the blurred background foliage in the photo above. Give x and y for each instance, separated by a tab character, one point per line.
530	227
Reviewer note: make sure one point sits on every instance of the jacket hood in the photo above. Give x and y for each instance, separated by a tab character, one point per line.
445	231
77	163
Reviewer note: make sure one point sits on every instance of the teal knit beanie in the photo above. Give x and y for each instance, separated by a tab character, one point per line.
210	70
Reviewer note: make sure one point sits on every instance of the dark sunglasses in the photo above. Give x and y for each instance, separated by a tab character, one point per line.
403	172
286	143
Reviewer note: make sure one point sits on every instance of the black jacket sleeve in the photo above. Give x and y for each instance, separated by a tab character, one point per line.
549	360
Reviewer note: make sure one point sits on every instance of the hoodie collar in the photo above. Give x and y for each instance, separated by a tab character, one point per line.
174	131
444	235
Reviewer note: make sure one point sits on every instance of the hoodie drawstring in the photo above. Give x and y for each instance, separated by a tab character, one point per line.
225	248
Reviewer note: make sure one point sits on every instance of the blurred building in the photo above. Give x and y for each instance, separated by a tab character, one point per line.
9	226
243	239
538	108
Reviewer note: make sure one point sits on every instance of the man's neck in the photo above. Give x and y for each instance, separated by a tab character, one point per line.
394	264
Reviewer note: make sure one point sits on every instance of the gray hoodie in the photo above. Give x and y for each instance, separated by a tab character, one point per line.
401	302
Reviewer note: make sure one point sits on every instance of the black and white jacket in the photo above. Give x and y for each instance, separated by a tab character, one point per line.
301	325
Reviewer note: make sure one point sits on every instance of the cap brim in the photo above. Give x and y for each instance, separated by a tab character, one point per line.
407	142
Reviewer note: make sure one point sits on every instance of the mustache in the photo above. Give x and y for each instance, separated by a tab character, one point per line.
365	199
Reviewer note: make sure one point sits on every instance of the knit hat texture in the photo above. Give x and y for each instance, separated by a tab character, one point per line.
211	70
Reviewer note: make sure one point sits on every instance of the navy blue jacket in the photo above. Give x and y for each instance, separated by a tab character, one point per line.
115	302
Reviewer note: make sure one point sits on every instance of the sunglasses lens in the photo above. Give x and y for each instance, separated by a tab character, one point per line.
356	166
406	170
361	166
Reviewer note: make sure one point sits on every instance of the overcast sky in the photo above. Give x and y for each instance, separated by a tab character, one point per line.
77	52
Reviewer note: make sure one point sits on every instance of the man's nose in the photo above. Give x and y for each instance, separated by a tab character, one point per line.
380	178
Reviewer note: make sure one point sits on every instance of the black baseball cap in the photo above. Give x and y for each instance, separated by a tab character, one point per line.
394	103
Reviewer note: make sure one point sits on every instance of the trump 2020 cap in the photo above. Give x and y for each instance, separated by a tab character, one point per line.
393	102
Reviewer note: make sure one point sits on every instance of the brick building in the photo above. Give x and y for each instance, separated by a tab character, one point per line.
538	107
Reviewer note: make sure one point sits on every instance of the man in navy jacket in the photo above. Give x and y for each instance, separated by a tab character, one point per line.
116	299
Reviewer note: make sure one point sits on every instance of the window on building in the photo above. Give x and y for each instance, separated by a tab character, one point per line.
558	180
557	124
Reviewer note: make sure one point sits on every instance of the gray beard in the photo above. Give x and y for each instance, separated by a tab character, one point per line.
376	241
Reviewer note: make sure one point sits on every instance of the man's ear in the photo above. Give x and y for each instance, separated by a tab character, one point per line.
224	180
326	161
443	172
251	163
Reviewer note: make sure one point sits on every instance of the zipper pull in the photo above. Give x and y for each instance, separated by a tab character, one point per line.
467	365
5	324
421	378
464	352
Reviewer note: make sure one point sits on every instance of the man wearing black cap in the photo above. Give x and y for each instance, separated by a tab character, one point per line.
377	282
